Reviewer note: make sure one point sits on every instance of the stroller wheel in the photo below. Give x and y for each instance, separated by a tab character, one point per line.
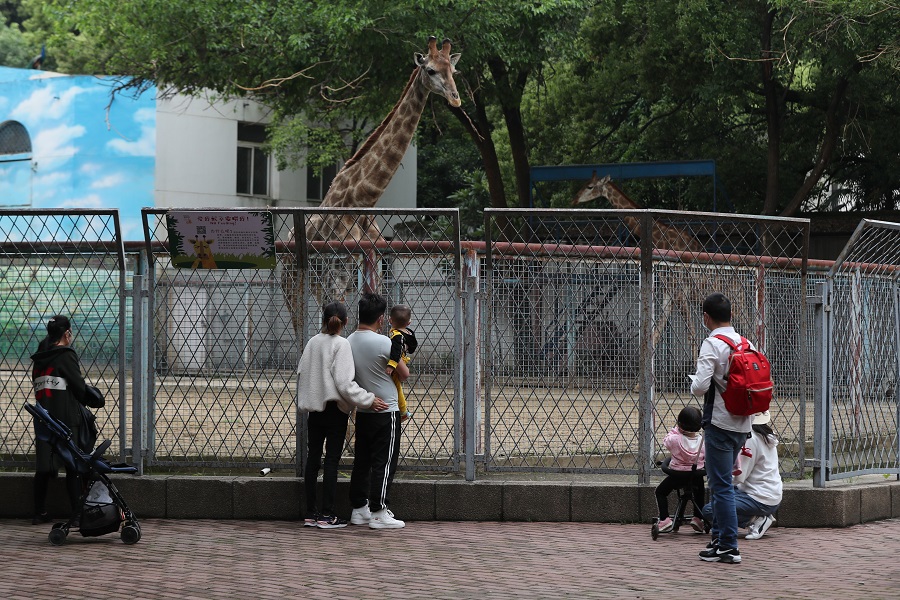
130	534
58	536
654	531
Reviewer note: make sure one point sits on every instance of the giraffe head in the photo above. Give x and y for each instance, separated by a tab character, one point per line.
438	68
202	247
593	189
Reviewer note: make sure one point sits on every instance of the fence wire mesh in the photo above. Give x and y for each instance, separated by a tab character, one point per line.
227	342
60	262
862	343
593	328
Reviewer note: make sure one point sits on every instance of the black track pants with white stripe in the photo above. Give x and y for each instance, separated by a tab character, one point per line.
376	452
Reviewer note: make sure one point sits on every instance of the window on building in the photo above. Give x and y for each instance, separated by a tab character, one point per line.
15	165
317	184
252	161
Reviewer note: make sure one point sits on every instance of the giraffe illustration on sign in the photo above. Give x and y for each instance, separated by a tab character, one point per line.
364	177
203	253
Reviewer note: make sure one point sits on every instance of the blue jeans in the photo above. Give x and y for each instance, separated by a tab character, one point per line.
722	448
746	508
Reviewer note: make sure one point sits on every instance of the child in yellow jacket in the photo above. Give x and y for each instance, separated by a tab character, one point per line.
403	343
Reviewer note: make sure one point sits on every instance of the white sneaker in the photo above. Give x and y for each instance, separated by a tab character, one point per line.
761	527
361	515
384	519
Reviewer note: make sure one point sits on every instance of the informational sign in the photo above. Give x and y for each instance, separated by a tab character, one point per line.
221	239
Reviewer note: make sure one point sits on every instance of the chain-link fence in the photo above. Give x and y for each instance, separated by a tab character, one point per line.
68	262
584	328
227	341
860	309
592	328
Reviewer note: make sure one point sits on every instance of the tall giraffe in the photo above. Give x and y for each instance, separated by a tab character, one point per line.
679	281
363	178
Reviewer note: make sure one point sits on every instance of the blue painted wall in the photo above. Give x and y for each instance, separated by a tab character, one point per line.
86	151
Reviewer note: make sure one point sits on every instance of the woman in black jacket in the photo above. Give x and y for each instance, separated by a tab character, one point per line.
60	388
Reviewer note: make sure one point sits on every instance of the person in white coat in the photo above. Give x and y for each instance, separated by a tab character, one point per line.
327	391
758	487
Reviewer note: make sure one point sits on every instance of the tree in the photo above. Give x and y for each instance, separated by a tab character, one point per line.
785	112
14	48
334	63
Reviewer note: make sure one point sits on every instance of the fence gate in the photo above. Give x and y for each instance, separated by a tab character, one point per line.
592	327
860	318
226	341
68	262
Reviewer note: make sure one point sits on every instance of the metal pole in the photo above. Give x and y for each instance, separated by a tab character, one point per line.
137	372
645	401
471	360
897	367
301	259
822	410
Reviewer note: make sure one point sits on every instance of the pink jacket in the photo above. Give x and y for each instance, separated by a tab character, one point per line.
685	450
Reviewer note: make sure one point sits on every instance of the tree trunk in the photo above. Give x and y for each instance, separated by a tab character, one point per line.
509	94
479	131
833	121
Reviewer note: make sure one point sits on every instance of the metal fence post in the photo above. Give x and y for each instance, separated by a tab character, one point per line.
301	257
897	365
138	371
645	361
822	415
471	360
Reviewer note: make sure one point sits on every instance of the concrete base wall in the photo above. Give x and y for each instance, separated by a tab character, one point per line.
281	498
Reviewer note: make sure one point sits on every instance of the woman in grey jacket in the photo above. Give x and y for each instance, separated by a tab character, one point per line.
326	390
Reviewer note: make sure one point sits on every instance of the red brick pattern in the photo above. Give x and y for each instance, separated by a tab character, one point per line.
183	560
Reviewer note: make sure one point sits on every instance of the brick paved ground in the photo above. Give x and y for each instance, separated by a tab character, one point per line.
276	559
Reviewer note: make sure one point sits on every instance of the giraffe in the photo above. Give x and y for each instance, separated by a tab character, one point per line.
364	177
684	286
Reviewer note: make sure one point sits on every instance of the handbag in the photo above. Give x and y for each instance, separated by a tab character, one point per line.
93	397
88	432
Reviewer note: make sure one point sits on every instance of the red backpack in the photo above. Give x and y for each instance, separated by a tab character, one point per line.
748	380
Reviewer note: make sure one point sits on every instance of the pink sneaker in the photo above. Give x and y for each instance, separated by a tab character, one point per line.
666	525
697	524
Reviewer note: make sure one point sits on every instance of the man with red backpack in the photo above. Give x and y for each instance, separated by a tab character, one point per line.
724	431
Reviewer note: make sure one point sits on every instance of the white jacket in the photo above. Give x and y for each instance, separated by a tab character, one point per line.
712	366
325	374
760	477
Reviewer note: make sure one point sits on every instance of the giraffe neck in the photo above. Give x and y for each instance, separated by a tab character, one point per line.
618	198
364	177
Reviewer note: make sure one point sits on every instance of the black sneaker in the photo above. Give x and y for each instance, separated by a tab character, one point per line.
310	520
725	555
331	522
41	518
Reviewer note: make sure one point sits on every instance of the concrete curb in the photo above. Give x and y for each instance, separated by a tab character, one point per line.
281	498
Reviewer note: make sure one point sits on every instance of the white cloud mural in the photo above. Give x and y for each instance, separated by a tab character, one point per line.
84	149
146	144
110	181
47	103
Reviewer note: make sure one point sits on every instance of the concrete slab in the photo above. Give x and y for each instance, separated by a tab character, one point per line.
819	507
199	498
605	503
874	503
266	498
145	496
537	501
413	500
468	501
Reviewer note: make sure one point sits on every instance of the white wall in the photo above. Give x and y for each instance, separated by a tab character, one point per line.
196	159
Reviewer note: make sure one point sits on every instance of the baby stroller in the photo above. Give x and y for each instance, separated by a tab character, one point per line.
685	496
103	510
